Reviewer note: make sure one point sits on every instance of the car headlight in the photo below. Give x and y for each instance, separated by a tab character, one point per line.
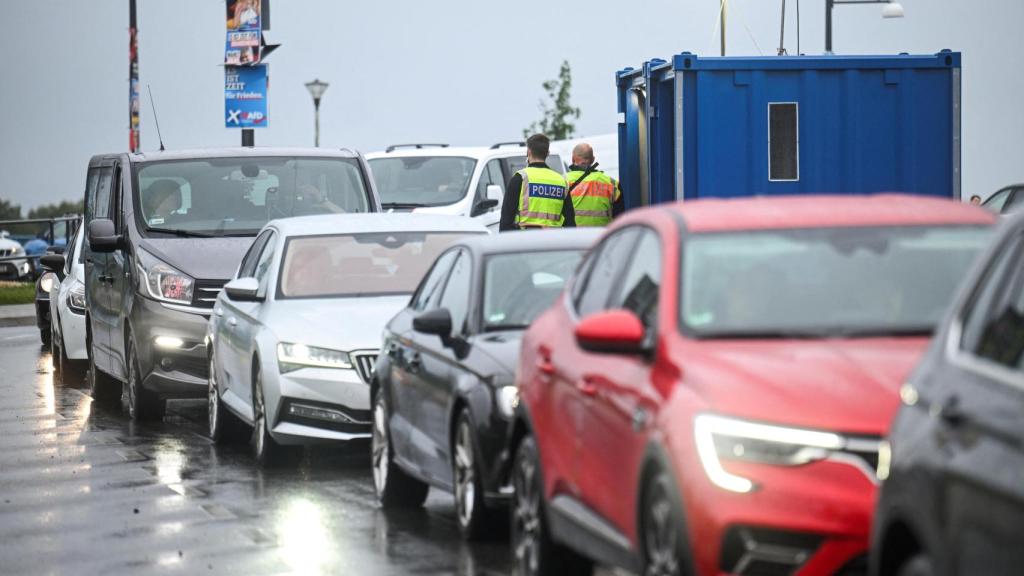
719	438
164	282
46	282
76	298
291	357
19	251
507	399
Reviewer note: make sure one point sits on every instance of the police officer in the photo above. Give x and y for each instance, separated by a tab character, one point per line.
536	196
597	198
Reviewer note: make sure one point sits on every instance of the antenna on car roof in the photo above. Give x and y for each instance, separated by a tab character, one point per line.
155	119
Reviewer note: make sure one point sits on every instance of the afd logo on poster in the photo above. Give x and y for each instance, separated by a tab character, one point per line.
242	118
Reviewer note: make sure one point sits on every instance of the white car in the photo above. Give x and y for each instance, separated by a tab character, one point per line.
67	316
438	179
12	269
293	339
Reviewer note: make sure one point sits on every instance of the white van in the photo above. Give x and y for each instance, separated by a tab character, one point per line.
438	179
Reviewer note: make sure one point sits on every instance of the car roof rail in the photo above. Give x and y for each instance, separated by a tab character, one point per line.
519	143
394	147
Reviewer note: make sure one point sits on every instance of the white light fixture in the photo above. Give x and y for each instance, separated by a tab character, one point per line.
317	87
892	10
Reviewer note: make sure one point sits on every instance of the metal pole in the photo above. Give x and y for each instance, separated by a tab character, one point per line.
248	137
828	26
725	6
316	114
782	31
133	79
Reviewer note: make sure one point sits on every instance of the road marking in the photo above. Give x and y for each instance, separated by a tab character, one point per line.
21	337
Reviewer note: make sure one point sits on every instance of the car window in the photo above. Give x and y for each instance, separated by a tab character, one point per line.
519	286
597	285
262	272
1015	202
996	202
91	183
248	267
429	292
642	280
491	174
517	163
413	181
101	205
994	323
456	292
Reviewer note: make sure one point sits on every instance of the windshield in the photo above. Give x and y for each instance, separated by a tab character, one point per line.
375	264
237	196
824	282
415	181
518	287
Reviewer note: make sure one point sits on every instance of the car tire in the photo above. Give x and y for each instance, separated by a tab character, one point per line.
66	370
223	425
471	512
534	553
917	565
662	532
395	488
139	403
267	452
103	387
56	351
44	336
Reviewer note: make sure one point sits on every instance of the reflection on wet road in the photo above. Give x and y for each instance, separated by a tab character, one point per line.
84	491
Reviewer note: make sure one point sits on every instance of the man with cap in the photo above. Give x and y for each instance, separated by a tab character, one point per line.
536	196
596	197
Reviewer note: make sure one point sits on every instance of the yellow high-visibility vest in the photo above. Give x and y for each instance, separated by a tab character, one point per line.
541	198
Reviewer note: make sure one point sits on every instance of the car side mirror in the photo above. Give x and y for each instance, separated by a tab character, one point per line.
243	290
437	321
614	331
494	193
102	236
483	207
54	263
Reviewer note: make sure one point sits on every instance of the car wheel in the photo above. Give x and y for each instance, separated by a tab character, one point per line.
69	371
533	550
44	336
104	388
664	550
470	510
265	449
224	426
395	488
141	404
917	565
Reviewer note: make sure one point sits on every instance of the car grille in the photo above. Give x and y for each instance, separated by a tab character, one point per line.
206	292
753	551
6	252
365	361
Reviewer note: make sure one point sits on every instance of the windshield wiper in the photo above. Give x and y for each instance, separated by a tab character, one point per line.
822	333
181	233
400	205
497	327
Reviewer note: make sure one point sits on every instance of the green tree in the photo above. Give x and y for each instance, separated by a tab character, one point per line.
9	211
59	209
558	116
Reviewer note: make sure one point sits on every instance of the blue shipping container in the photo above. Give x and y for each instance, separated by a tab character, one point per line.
726	127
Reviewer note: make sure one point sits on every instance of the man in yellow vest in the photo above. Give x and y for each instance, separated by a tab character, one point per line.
536	196
596	197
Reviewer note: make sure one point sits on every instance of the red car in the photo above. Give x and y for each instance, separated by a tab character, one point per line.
710	394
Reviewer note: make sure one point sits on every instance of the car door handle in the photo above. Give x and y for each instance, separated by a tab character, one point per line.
416	362
232	321
587	387
951	413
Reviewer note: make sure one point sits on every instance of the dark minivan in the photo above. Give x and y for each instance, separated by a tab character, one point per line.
953	502
165	231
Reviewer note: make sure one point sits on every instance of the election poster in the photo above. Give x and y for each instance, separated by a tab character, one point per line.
244	30
245	96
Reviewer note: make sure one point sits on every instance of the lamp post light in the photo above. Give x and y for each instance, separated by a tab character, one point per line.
316	90
892	9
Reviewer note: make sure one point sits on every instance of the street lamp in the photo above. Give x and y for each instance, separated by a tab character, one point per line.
316	90
891	10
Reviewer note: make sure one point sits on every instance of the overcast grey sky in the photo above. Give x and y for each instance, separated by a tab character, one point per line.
459	71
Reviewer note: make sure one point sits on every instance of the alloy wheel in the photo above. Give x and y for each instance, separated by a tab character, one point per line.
526	521
660	535
465	476
212	400
380	448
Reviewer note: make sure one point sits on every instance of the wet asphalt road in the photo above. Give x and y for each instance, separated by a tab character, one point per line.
84	491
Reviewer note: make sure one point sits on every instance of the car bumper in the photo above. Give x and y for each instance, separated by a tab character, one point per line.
14	269
43	313
806	520
72	330
170	371
314	405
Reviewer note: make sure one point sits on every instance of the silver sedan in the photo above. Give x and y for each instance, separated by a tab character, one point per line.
294	337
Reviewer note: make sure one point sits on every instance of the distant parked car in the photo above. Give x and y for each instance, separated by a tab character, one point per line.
67	313
711	394
953	503
444	393
436	179
1007	200
294	337
12	269
165	231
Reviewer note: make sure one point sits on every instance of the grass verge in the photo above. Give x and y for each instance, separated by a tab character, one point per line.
17	293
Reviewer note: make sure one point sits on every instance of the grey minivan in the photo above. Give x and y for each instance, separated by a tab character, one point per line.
165	231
